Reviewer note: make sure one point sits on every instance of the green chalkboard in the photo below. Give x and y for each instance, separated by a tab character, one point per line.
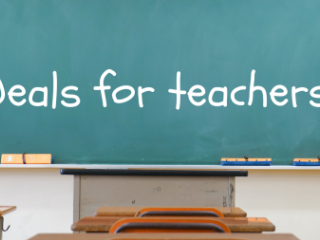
150	43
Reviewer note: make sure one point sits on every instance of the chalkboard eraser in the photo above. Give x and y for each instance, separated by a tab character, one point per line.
246	161
306	162
26	158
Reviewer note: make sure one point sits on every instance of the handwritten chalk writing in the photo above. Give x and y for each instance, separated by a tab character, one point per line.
192	94
276	92
54	92
72	96
178	91
18	91
2	92
126	99
196	94
294	91
224	102
102	89
312	93
233	95
44	102
141	91
254	88
12	94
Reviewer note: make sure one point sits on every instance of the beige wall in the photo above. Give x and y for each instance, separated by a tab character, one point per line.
290	199
44	199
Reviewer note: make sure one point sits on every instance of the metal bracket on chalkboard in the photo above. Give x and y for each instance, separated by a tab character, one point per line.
306	161
246	161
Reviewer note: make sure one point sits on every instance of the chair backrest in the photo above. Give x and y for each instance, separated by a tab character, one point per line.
169	225
183	212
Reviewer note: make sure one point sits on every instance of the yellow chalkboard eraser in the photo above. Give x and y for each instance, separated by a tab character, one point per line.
246	161
26	158
306	162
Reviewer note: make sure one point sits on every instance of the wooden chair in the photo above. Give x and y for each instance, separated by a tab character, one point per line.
166	236
236	225
168	225
132	211
179	212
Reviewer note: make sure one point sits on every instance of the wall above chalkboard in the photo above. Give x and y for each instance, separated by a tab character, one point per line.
160	82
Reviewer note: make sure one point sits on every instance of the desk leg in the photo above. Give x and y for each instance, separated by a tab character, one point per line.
1	226
76	197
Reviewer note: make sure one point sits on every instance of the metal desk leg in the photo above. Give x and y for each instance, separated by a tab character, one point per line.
1	227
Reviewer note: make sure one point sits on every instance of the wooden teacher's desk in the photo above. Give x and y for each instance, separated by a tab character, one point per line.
131	211
243	225
176	236
94	188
